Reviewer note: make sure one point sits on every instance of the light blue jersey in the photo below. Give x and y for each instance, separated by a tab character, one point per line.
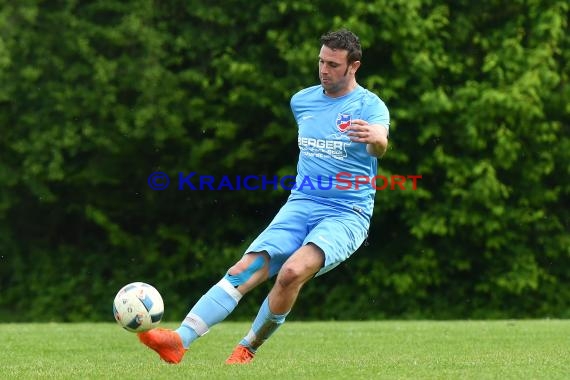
328	161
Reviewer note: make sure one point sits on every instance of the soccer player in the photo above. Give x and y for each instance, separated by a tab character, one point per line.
343	129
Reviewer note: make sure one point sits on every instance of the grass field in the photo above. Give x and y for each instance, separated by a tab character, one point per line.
299	350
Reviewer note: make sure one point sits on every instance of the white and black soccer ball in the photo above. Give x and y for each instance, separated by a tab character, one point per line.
138	307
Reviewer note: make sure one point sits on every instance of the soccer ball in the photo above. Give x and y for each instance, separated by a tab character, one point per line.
138	307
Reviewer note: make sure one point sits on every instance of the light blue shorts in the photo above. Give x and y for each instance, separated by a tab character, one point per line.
338	231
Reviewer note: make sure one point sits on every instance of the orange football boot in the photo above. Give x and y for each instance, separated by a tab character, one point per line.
241	355
166	343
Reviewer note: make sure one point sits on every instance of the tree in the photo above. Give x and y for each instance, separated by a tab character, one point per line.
95	97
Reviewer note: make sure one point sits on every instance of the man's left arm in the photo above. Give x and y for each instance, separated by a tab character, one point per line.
375	136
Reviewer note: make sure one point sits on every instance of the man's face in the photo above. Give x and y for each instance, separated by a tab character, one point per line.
335	73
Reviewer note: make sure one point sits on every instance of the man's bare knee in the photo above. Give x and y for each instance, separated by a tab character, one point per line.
288	275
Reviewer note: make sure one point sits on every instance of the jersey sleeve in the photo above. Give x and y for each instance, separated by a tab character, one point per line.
375	111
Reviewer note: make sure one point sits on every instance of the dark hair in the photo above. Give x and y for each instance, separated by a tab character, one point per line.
345	40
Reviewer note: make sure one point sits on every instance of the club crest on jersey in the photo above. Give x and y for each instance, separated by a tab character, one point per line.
343	121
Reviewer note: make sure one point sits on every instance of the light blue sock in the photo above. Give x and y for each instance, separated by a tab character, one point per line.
263	327
213	307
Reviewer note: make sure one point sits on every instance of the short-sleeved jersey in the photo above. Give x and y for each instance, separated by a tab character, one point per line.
328	161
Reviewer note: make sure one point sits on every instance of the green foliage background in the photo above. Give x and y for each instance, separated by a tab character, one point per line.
95	96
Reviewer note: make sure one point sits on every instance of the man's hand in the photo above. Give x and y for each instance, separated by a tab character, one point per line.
374	135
